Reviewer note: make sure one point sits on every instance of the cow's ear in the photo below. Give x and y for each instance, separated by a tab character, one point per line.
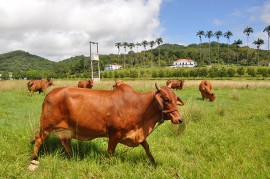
159	100
179	102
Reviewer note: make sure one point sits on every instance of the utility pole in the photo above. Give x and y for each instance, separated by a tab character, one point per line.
94	57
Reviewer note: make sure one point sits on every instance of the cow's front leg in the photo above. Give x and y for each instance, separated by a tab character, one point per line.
113	141
147	150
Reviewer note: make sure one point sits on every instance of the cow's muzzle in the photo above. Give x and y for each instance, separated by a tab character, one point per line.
180	121
176	118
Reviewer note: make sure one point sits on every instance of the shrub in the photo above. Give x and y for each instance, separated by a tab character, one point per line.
231	72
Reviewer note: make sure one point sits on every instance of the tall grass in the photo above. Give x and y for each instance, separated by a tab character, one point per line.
228	138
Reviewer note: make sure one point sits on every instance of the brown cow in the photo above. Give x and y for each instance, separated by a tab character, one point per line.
118	83
38	85
123	115
176	84
86	84
205	88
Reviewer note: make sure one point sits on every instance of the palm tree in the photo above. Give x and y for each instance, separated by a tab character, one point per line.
248	31
131	46
152	43
125	45
237	43
159	41
144	44
218	34
228	35
118	45
258	42
200	33
209	34
137	45
267	29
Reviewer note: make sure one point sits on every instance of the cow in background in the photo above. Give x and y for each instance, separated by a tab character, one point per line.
86	84
118	83
176	84
38	85
205	88
123	115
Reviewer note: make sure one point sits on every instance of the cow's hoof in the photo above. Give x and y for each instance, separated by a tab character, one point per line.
33	165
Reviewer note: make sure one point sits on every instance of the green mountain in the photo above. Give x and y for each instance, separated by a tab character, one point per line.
20	60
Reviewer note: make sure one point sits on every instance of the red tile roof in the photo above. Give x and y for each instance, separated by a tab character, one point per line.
183	59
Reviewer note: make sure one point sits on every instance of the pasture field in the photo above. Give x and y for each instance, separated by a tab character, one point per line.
229	138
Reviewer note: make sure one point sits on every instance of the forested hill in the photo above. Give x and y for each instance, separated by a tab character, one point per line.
20	60
162	56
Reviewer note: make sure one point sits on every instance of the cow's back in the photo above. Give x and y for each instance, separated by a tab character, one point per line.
175	84
82	84
205	86
87	113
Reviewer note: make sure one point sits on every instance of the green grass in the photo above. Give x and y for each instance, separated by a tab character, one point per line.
229	138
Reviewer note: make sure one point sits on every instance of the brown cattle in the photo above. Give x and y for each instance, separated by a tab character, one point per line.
123	115
205	88
176	84
38	85
86	84
118	83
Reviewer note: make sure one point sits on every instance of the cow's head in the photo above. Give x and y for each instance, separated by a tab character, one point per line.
212	97
168	102
91	83
181	83
118	83
50	82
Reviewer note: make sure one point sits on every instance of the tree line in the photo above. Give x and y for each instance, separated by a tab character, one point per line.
233	54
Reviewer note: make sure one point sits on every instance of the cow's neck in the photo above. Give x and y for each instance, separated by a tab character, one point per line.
152	115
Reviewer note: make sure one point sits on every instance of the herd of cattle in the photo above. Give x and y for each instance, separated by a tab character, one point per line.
205	86
121	114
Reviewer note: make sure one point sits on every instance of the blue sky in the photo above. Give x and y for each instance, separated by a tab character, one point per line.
60	29
182	19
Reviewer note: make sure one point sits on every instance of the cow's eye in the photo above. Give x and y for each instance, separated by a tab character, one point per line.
166	100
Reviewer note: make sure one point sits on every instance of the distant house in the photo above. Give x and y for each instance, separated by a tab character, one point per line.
184	63
113	67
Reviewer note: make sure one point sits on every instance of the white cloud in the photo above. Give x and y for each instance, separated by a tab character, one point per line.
57	29
266	13
218	22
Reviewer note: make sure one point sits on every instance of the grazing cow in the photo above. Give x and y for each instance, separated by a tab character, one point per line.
38	85
176	84
118	83
123	115
205	88
86	84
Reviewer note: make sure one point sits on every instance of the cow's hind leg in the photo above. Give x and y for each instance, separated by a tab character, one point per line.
147	150
39	139
67	146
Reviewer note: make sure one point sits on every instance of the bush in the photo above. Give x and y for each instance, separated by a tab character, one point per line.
231	72
251	72
133	74
240	71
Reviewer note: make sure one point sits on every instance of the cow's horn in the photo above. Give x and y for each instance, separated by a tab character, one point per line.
157	87
170	85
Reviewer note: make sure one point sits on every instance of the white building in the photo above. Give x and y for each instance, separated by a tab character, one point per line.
113	67
184	63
